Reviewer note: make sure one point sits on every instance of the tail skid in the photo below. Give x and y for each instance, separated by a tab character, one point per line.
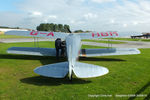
81	70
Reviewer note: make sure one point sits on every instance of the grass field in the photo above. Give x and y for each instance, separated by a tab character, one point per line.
102	41
129	74
129	39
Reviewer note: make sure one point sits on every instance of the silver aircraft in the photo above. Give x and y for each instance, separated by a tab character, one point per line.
73	51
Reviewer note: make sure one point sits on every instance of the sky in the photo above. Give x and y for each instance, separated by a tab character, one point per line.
93	15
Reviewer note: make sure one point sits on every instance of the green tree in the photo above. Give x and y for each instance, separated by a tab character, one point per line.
78	31
47	28
53	27
60	27
67	29
42	27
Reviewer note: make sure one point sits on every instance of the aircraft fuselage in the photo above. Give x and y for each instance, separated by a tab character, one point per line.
73	45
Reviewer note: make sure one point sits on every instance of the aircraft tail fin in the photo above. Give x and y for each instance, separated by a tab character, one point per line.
83	70
58	70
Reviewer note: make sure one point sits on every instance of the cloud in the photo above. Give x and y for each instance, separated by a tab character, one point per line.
52	16
112	21
125	25
36	13
103	1
93	15
90	16
135	23
10	19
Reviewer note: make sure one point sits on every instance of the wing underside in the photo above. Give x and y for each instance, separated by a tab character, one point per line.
108	52
32	51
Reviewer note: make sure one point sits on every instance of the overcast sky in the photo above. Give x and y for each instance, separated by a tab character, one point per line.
95	15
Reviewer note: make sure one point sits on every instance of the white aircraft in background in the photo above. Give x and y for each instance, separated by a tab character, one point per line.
73	51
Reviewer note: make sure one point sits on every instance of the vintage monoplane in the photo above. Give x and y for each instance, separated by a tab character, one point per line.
73	51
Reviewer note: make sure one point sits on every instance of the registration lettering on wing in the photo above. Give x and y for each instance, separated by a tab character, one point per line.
35	33
104	34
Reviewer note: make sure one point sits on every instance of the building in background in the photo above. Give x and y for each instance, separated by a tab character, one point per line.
5	29
144	36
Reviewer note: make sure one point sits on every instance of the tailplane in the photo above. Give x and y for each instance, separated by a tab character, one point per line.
83	70
58	70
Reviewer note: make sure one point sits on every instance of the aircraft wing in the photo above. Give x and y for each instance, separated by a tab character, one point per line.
108	52
52	35
95	35
32	51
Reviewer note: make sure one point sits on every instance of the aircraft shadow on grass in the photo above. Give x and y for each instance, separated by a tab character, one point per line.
40	80
139	92
23	57
49	60
43	59
47	81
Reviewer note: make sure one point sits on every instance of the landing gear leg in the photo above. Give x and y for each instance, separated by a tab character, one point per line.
70	78
57	54
58	47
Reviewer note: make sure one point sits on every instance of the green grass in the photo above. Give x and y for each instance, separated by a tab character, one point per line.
129	39
129	74
3	36
103	41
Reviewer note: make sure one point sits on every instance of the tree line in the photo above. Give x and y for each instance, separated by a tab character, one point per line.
53	27
9	27
81	31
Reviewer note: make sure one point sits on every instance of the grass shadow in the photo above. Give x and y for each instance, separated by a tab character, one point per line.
23	57
43	59
49	60
47	81
140	91
99	59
